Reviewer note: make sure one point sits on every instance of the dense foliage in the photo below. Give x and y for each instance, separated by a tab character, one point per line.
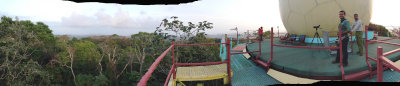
31	55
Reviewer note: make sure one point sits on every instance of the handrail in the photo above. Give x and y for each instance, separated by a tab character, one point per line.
272	49
383	61
366	50
341	51
199	44
244	52
373	41
169	75
385	42
373	59
338	47
391	52
227	44
244	39
208	63
146	77
304	47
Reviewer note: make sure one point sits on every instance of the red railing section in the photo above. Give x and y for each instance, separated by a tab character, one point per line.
208	63
366	50
143	80
259	46
379	59
383	61
146	77
304	47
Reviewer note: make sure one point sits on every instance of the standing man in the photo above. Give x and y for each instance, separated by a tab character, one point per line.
345	29
260	32
357	27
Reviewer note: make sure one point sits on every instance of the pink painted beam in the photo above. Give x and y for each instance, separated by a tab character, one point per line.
385	42
192	64
169	75
146	77
390	64
304	47
244	52
198	44
391	52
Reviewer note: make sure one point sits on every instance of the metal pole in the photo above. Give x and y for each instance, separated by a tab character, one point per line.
278	30
379	68
248	34
220	49
229	60
341	52
259	45
230	41
237	36
272	49
173	59
366	50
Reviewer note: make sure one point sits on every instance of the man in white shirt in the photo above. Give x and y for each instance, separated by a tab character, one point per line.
357	27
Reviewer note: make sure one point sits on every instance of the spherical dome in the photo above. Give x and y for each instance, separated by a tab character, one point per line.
299	16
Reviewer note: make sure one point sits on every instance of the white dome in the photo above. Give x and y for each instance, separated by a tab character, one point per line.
299	16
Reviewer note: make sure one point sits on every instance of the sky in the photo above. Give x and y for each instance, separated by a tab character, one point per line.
70	18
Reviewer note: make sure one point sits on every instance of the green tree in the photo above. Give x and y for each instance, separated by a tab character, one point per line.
141	42
86	57
181	30
17	67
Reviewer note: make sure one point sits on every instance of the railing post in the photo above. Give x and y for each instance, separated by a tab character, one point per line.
272	48
341	51
259	45
272	42
229	60
173	60
237	37
220	49
230	42
379	68
366	50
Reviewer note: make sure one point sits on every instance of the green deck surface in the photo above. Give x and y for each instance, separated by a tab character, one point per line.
246	73
387	76
317	62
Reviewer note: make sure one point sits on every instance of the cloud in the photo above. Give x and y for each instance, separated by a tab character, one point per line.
120	19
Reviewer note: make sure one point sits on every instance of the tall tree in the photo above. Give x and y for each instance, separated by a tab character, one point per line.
17	67
183	31
141	43
110	49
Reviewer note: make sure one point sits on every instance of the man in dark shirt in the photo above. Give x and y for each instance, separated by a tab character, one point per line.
345	29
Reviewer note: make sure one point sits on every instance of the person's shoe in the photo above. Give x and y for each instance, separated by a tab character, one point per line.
361	54
333	62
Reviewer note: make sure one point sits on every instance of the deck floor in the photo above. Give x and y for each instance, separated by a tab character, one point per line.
200	73
246	73
313	62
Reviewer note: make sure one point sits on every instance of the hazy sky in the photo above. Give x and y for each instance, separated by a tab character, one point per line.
64	17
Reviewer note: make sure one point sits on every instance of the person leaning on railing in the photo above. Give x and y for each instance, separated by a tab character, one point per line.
357	27
345	29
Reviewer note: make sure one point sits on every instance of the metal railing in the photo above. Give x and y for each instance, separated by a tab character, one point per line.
303	47
146	77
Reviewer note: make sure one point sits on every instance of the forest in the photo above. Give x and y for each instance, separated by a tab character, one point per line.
30	54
